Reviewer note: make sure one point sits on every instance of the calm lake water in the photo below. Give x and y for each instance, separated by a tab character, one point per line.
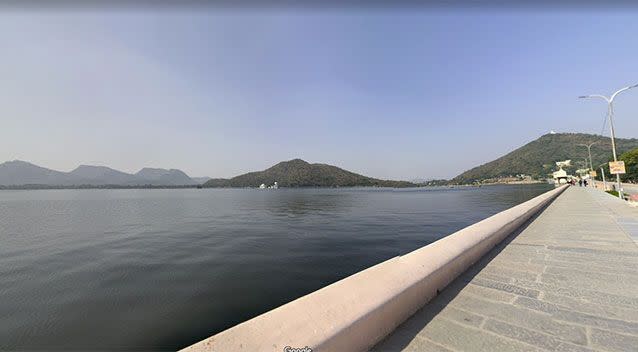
162	269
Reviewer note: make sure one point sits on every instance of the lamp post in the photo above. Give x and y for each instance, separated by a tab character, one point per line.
602	172
586	168
610	113
591	167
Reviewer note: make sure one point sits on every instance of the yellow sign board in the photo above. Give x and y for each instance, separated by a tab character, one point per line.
617	167
593	173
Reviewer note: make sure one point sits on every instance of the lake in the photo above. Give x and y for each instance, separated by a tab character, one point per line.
162	269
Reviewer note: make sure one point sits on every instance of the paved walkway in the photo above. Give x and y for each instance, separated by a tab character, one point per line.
630	188
626	217
566	282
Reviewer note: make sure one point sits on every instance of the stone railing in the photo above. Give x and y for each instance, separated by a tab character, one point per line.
355	313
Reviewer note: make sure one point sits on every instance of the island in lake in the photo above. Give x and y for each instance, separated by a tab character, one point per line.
299	173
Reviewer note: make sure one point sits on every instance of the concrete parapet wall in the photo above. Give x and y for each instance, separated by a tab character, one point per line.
355	313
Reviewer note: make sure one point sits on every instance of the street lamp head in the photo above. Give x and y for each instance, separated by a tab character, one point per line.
622	90
596	96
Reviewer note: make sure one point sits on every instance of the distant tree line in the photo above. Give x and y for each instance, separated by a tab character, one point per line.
631	167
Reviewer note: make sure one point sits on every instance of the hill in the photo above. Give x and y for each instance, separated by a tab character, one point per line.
165	176
537	158
298	173
200	180
21	173
100	175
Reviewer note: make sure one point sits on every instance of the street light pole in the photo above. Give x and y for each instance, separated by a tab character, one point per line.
602	172
591	166
610	113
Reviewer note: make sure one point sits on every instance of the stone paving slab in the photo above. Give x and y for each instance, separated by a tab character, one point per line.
566	282
626	217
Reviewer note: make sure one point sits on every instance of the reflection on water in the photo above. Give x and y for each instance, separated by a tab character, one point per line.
291	202
161	269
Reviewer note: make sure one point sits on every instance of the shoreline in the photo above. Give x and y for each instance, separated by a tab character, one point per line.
89	187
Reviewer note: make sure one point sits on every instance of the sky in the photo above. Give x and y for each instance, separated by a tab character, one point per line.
388	93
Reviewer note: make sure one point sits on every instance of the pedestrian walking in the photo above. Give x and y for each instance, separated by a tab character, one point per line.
580	183
585	183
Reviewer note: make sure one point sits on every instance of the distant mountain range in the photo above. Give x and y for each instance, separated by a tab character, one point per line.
538	157
20	173
200	180
299	173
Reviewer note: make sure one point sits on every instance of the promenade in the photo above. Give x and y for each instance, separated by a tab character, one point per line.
568	281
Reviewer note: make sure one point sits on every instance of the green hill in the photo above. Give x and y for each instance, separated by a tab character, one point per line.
298	173
537	158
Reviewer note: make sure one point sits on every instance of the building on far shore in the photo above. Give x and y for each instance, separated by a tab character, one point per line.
561	176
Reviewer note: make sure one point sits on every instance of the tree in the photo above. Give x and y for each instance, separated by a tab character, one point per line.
631	165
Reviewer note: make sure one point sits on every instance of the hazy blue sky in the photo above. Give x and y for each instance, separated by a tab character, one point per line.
390	94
